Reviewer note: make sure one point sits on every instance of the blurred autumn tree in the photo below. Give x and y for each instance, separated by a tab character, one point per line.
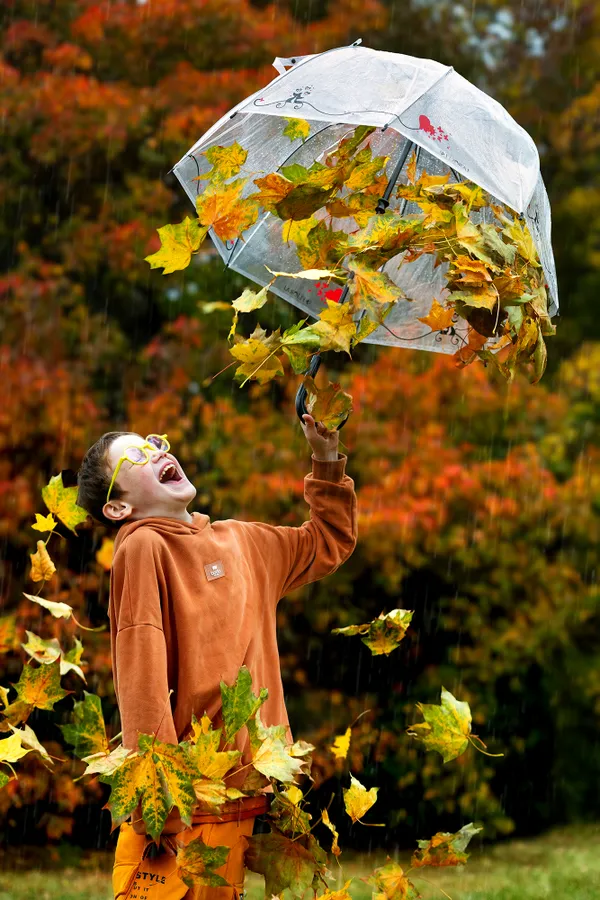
479	504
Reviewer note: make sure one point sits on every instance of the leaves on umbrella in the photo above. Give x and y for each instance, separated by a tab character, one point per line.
197	861
257	355
62	501
371	290
296	128
239	703
42	567
310	274
383	634
520	236
335	327
225	161
222	208
444	848
330	405
286	864
357	799
87	733
299	344
438	317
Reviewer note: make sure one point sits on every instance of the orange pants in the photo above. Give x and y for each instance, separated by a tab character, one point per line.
135	878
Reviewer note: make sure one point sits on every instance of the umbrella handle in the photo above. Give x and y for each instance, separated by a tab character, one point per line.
312	370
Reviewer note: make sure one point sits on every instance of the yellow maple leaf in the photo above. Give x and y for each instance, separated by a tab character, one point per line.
44	523
104	556
329	405
520	235
62	502
341	744
357	799
438	318
335	848
335	327
272	189
178	242
226	162
222	208
42	567
11	749
296	128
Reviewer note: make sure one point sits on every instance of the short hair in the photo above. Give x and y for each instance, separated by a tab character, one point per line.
94	477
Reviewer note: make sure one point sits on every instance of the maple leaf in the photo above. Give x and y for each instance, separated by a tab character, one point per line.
447	727
367	325
273	188
250	300
392	883
8	625
438	318
212	794
285	863
341	744
196	862
87	733
382	238
468	234
329	405
106	763
299	344
335	327
383	634
286	814
348	146
492	241
178	242
411	169
273	760
257	356
225	161
296	128
62	502
44	523
40	650
104	556
28	738
341	894
444	848
303	200
317	176
371	290
203	752
520	236
365	172
11	749
42	567
239	703
37	688
258	732
159	778
222	208
322	247
357	799
335	847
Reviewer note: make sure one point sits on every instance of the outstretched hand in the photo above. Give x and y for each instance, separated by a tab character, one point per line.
323	443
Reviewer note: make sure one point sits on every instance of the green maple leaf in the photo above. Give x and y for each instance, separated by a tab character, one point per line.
178	242
226	161
444	848
62	502
381	635
39	687
239	703
296	128
196	863
447	727
286	864
87	733
299	344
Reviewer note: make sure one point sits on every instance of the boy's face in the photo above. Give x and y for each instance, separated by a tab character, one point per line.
144	494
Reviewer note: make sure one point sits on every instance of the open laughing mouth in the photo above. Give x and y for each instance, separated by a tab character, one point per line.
170	474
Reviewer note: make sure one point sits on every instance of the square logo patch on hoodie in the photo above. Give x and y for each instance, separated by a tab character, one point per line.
214	570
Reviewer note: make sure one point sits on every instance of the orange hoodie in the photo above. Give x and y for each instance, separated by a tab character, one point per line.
190	603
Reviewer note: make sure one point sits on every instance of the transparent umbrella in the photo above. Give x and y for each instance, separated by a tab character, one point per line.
414	104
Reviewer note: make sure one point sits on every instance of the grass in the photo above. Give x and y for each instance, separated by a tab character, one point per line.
563	864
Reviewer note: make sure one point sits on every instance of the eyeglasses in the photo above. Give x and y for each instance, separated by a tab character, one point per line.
139	456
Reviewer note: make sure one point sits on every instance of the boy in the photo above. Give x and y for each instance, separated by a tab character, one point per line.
191	601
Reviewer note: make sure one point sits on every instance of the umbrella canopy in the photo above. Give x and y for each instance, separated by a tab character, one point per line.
413	104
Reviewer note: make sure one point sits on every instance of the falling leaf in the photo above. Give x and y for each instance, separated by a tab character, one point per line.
239	703
11	749
87	733
257	355
58	610
222	208
444	848
357	799
439	318
7	633
42	567
392	884
178	242
329	405
296	128
44	523
285	863
159	778
104	556
62	502
4	779
37	687
197	861
341	744
40	650
207	307
335	848
28	738
250	300
287	816
341	894
383	634
446	728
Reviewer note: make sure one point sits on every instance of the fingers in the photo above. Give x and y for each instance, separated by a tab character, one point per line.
313	427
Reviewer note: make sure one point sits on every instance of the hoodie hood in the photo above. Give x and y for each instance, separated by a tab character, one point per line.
164	525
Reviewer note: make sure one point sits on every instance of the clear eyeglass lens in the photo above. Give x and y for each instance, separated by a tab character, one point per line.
157	442
135	454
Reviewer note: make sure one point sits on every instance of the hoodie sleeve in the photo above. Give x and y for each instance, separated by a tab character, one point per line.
295	556
139	648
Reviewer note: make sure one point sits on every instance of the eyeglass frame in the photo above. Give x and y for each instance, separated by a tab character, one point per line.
140	462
